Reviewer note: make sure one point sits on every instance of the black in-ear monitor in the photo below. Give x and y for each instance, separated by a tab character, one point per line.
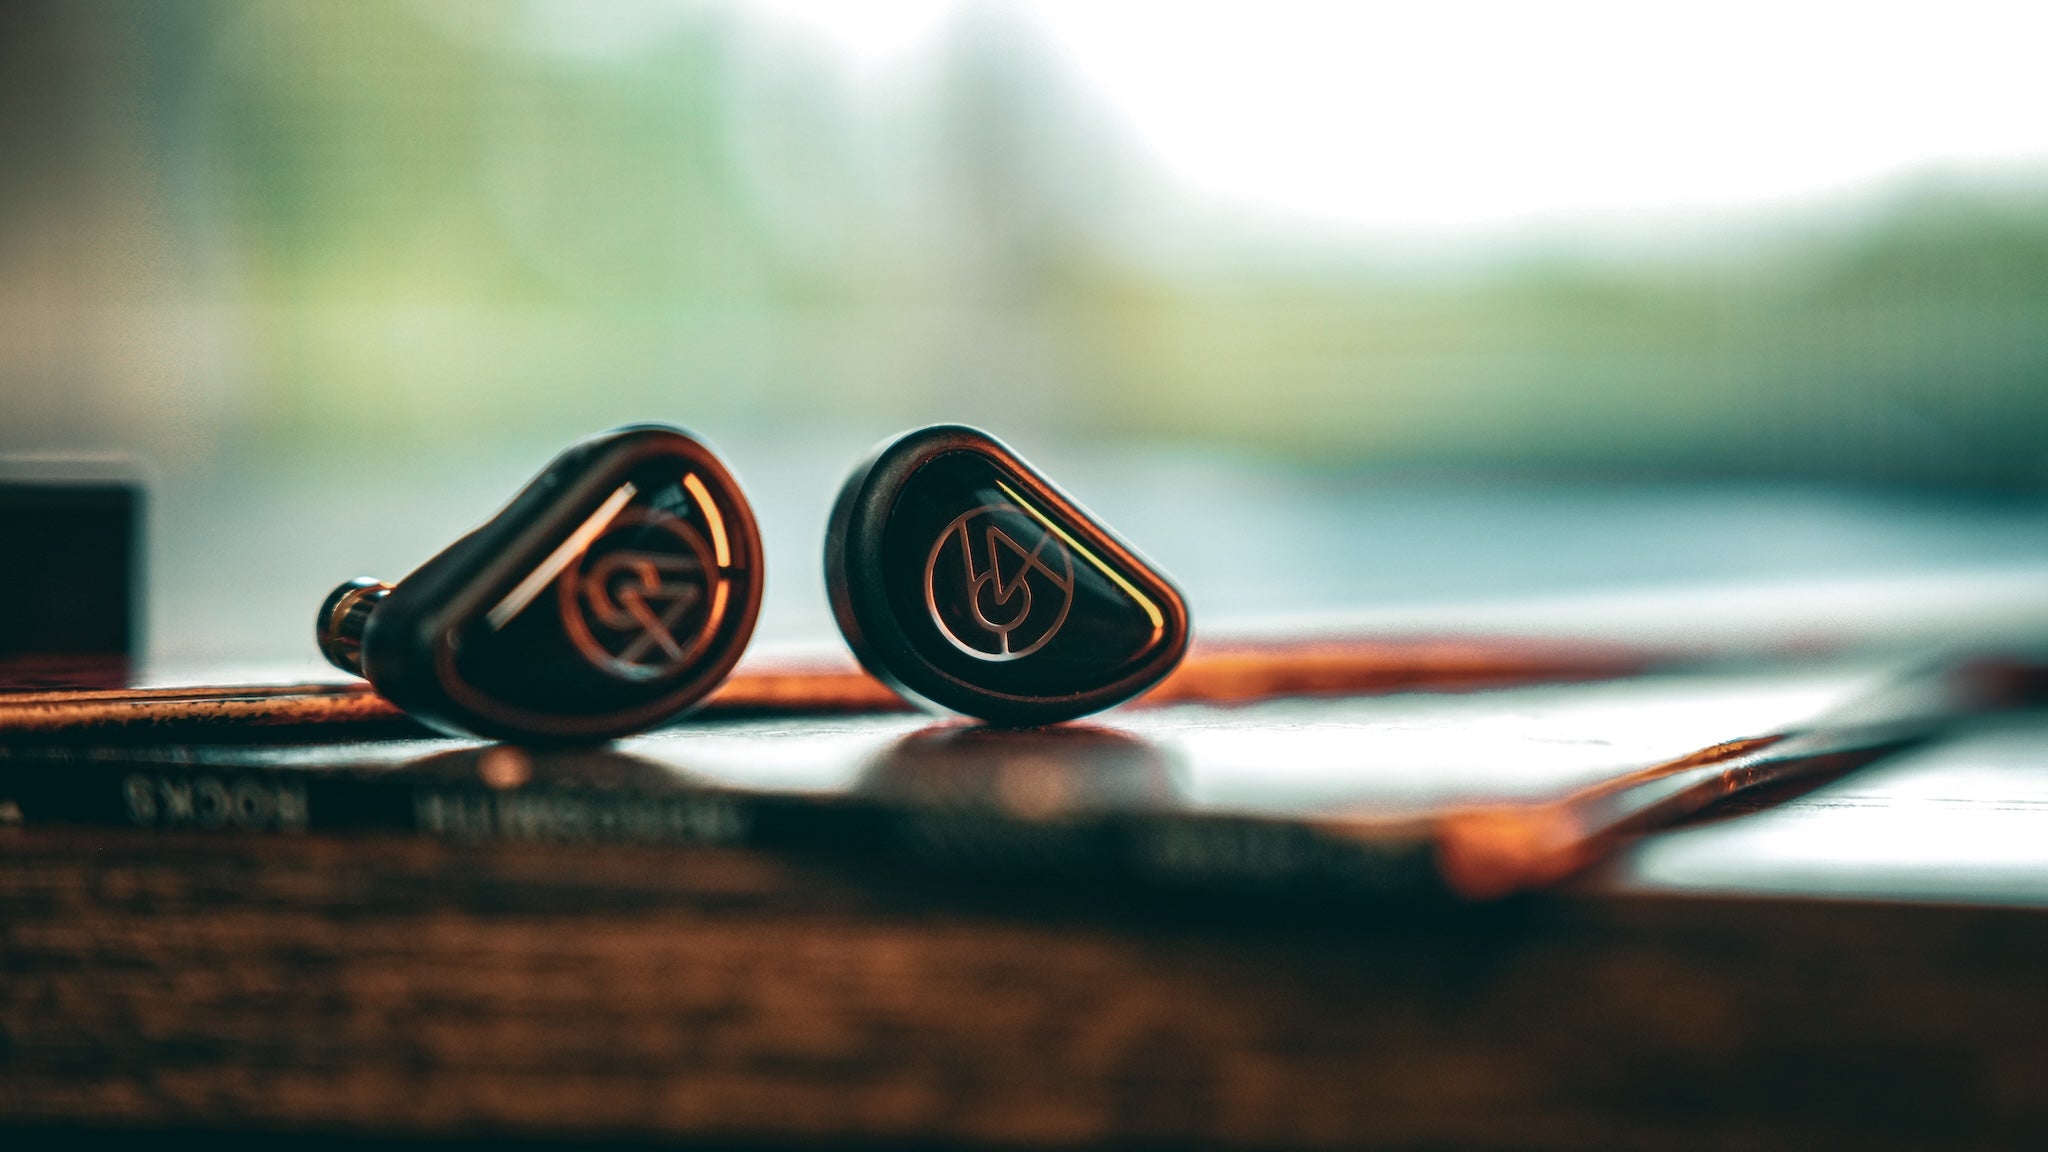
965	580
615	591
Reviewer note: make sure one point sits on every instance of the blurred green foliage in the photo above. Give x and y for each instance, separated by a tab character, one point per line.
368	224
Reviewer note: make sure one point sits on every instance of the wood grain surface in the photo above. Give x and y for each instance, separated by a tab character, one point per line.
406	988
255	987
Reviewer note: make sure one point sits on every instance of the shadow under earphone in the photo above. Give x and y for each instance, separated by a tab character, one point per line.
1026	773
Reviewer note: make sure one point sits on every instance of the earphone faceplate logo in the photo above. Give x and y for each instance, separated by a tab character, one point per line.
999	583
644	599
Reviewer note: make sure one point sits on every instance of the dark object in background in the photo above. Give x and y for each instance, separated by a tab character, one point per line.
70	574
965	580
615	591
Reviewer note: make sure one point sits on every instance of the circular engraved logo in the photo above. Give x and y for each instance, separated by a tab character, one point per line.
644	599
998	583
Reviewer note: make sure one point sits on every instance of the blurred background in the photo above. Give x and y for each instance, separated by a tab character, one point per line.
1334	309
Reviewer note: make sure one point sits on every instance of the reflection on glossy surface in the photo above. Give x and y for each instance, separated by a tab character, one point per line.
1392	755
502	791
1034	773
1963	815
510	767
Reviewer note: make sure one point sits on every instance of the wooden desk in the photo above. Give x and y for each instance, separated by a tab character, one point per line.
1699	993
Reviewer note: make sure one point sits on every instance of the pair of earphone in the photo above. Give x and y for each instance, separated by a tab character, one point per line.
620	586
